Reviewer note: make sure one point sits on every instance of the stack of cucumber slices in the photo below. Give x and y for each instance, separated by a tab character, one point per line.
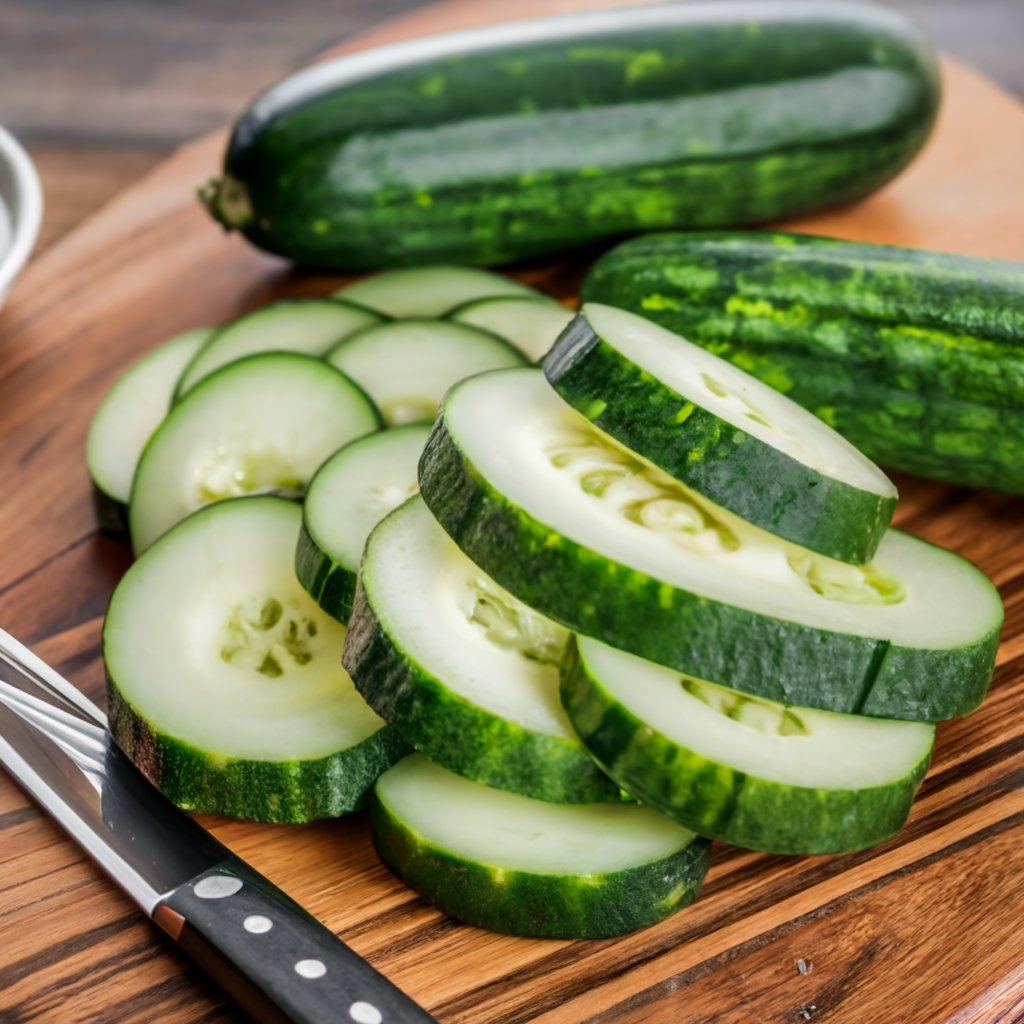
618	606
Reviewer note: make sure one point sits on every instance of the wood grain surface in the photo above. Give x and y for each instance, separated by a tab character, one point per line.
923	930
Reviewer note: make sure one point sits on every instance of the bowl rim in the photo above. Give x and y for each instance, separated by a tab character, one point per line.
25	208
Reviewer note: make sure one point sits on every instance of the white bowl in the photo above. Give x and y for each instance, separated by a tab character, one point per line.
21	209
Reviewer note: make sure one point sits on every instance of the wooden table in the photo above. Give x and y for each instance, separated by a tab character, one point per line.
923	930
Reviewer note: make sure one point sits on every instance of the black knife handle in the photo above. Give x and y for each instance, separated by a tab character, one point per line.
278	962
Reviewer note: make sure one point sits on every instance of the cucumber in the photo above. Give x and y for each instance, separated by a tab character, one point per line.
606	543
531	324
312	326
466	673
129	413
424	292
527	867
721	432
263	423
520	139
406	366
916	357
225	684
349	494
752	772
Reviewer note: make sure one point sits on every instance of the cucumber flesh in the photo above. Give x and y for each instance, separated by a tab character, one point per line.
263	423
225	680
589	534
407	366
751	772
350	493
132	409
527	867
422	292
312	326
465	672
530	323
722	432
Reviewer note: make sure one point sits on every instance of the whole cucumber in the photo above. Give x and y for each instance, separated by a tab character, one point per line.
507	142
916	357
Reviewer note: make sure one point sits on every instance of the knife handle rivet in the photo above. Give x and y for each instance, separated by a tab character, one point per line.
365	1013
216	887
310	969
257	924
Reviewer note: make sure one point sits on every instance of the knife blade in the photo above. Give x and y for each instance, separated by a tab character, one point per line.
279	963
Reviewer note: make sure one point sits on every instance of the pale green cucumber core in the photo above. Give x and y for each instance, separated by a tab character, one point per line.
460	625
516	833
764	739
550	462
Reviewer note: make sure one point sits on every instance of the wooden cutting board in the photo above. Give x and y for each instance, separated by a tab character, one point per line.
922	930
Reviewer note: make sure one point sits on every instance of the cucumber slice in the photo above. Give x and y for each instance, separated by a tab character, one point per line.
530	323
752	772
262	423
350	493
722	432
225	683
428	291
526	867
132	409
407	366
606	543
312	326
467	674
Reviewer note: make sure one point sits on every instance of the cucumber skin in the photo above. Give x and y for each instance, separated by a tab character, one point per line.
277	792
458	735
718	801
917	358
768	488
287	188
773	658
535	905
329	583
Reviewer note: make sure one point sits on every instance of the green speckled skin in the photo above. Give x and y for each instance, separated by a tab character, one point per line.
717	800
915	357
774	658
538	905
287	792
458	734
760	483
503	149
331	585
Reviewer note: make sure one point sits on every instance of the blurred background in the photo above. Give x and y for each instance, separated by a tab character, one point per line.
100	91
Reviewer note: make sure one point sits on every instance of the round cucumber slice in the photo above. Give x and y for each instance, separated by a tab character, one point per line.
132	409
311	326
350	493
407	366
749	771
428	291
225	682
606	543
465	672
263	423
722	432
526	867
531	323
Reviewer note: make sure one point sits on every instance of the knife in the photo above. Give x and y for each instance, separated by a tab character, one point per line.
276	960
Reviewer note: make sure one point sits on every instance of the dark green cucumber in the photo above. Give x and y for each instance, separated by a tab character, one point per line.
748	771
915	357
588	534
462	670
721	432
526	867
515	140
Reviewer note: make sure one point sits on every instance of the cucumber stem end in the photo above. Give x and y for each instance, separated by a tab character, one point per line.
227	199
